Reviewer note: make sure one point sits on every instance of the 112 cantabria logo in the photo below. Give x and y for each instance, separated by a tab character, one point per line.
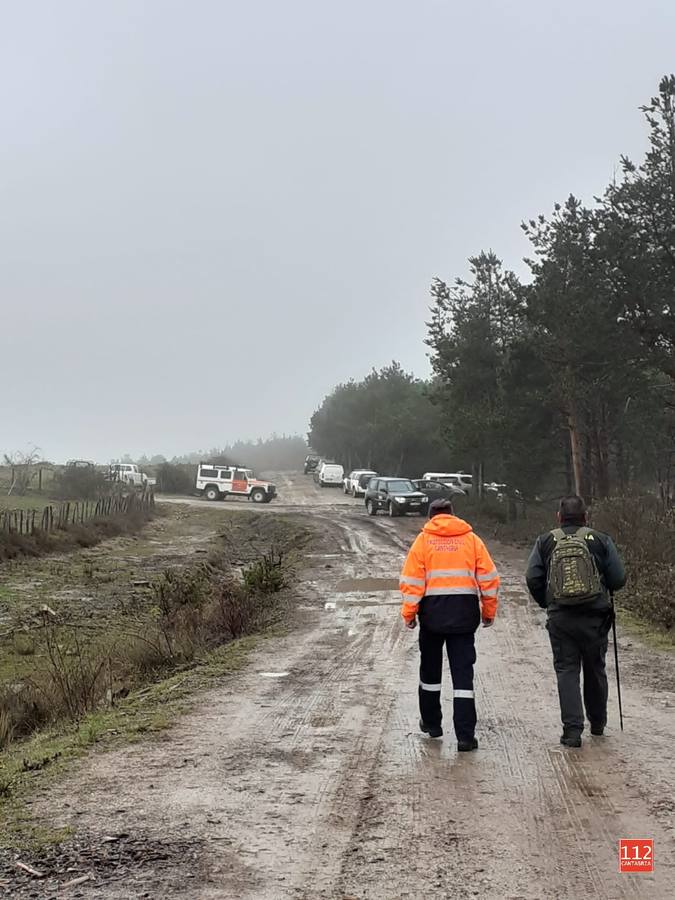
636	855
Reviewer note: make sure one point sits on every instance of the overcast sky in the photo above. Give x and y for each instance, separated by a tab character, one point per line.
212	212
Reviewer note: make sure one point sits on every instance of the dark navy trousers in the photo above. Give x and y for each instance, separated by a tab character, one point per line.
461	656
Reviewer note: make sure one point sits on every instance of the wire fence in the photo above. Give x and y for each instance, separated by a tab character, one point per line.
72	512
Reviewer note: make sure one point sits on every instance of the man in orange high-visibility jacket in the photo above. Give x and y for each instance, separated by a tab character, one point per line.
450	583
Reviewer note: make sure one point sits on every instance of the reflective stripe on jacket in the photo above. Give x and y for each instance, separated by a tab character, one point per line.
449	577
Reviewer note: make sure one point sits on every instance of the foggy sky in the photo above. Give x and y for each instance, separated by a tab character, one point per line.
212	212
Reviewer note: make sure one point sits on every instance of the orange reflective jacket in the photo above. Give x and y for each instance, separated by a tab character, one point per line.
449	578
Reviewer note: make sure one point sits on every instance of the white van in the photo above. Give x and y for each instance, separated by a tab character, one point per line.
331	475
455	479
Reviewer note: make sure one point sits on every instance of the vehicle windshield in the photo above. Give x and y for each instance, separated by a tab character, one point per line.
401	486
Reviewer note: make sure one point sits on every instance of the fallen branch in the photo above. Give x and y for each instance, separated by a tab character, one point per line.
29	869
74	882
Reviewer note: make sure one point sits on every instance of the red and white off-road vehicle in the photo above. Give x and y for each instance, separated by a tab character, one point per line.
218	482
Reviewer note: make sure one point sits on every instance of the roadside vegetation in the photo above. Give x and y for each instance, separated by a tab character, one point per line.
75	534
80	636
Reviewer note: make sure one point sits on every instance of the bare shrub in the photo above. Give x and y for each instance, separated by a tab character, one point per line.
175	478
23	708
24	469
180	595
645	535
234	613
80	483
6	727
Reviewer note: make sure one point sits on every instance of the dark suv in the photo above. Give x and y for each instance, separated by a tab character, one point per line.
397	496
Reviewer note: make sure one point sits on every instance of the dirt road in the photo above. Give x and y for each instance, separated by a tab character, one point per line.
305	776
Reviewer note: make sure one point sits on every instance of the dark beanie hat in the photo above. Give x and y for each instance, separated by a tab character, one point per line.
441	508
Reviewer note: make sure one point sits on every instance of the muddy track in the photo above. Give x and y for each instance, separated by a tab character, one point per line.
305	775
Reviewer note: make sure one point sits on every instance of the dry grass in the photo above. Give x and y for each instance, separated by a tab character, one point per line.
82	666
72	537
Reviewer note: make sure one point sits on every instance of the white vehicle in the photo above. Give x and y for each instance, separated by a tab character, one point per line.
216	482
353	483
129	473
331	475
455	479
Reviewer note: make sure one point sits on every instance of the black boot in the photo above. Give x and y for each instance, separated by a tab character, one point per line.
433	731
570	739
466	746
597	730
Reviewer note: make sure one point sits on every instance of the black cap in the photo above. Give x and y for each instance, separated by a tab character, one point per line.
441	508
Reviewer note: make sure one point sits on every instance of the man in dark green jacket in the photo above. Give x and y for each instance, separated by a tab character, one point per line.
577	625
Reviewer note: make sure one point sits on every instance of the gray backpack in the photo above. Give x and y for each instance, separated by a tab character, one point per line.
573	576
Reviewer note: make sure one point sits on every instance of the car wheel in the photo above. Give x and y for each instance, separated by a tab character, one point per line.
391	509
370	508
258	496
212	493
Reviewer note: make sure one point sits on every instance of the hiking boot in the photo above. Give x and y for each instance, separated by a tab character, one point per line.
467	746
570	740
597	730
433	731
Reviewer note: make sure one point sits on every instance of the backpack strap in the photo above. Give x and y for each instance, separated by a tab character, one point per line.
558	534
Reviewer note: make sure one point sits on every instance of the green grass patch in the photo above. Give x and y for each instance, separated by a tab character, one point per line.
658	639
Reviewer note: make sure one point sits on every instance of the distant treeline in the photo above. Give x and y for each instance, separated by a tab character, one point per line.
563	383
275	453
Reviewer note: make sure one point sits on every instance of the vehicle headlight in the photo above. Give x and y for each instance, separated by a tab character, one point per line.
399	499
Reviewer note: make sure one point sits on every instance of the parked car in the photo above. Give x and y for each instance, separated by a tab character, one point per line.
459	479
311	462
216	482
436	490
331	475
363	482
321	462
352	483
129	474
397	496
80	464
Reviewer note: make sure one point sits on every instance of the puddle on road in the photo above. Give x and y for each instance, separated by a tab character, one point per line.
366	585
324	555
361	600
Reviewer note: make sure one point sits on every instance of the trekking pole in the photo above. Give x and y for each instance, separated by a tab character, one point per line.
616	662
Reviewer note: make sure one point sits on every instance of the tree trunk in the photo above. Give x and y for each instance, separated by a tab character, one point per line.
569	473
475	480
602	449
576	451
